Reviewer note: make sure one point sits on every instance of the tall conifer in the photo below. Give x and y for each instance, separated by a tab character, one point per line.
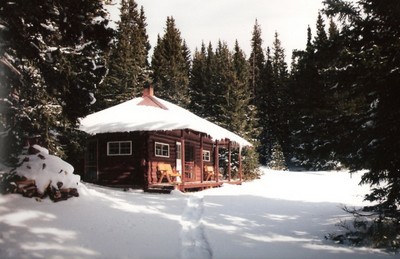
170	65
257	62
280	98
54	54
128	65
265	108
370	72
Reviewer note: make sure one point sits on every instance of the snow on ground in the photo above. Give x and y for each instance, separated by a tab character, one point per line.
282	215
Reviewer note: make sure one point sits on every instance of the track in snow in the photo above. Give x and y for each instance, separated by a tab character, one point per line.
194	241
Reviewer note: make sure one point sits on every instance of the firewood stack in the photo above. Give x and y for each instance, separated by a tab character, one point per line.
39	175
19	184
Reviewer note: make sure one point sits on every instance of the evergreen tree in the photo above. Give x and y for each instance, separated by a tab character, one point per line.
171	65
277	158
280	99
240	112
212	83
265	108
224	81
257	62
244	120
310	98
220	91
54	52
261	78
321	38
303	80
333	31
369	72
128	65
314	106
198	84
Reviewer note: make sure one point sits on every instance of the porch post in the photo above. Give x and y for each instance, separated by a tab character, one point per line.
201	159
229	160
183	156
216	161
240	164
148	161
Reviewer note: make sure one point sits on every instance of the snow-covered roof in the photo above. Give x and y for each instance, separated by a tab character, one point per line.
149	113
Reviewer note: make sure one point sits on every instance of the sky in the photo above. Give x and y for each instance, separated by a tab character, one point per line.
231	20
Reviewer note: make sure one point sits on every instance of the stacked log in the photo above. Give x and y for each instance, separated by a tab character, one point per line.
12	183
40	174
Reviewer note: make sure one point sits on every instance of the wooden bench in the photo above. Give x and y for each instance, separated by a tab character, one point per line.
208	173
166	170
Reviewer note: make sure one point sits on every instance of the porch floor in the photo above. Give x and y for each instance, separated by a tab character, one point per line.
186	186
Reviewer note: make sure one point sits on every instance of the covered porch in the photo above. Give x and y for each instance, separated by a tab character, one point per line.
200	164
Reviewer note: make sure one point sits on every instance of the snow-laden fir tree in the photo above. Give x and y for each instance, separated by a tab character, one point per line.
278	161
369	72
54	54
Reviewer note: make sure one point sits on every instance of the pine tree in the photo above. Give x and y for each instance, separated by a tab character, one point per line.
369	72
244	118
55	55
321	38
261	84
314	104
222	86
280	98
303	80
170	65
238	108
198	84
128	65
257	62
212	83
265	108
277	158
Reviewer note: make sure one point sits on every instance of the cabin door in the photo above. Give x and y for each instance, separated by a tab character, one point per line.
178	157
91	162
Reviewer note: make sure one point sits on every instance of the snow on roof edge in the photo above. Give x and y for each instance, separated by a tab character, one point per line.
130	117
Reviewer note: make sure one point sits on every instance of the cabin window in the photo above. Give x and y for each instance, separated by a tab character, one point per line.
119	148
162	149
206	155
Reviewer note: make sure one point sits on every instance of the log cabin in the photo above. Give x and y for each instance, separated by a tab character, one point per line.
153	144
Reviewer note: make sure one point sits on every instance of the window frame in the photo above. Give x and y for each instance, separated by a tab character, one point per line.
119	148
205	158
162	146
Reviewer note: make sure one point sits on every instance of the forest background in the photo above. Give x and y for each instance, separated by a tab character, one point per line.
337	106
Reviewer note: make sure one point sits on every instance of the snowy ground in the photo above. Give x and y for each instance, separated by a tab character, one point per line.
282	215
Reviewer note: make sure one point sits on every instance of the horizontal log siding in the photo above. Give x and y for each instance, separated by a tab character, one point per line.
140	168
124	170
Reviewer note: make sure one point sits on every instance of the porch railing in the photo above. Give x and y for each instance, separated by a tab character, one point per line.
189	173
